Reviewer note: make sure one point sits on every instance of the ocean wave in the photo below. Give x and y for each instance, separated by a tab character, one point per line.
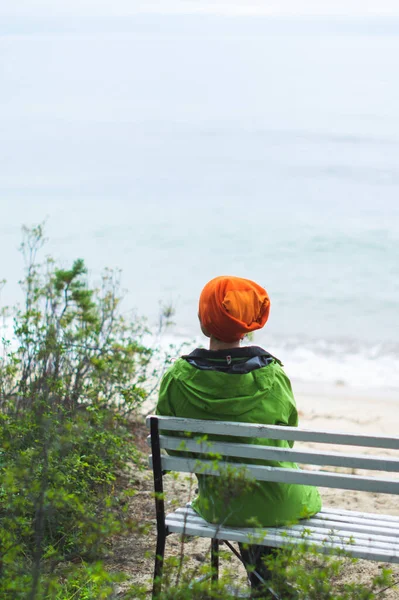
341	362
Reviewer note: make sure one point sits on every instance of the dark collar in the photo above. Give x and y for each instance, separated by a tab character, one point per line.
245	353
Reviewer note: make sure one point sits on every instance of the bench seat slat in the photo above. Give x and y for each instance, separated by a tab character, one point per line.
276	432
252	451
293	476
368	527
315	536
352	521
360	515
361	550
323	527
364	547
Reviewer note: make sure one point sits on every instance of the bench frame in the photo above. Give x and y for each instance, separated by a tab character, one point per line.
386	548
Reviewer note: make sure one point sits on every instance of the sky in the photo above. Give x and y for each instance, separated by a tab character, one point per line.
99	8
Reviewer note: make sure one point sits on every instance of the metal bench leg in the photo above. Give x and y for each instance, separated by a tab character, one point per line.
158	568
159	508
215	560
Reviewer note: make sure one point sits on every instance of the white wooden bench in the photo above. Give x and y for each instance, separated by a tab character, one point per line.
362	535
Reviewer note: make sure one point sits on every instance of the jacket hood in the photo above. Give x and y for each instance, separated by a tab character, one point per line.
226	383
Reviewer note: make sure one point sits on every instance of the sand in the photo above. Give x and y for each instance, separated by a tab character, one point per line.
347	409
338	408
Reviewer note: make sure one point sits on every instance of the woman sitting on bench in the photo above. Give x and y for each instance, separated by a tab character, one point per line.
233	383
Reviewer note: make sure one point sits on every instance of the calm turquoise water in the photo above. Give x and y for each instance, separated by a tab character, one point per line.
179	149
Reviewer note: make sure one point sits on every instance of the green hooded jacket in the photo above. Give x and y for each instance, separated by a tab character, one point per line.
248	385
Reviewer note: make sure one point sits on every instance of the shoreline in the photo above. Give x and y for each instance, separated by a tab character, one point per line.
344	408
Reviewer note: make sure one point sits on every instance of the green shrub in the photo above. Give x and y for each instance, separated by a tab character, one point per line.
72	372
72	346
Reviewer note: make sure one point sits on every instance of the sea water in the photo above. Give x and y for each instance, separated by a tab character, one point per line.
182	148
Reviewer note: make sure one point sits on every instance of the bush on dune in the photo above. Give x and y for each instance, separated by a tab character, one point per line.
72	372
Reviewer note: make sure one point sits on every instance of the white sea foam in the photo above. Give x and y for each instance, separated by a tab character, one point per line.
360	368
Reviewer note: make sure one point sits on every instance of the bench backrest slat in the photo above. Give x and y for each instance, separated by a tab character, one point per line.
227	454
282	475
275	432
256	452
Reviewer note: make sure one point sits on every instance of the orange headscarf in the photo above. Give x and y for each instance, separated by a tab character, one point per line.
230	307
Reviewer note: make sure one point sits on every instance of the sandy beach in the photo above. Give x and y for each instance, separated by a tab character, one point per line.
334	408
338	408
325	406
